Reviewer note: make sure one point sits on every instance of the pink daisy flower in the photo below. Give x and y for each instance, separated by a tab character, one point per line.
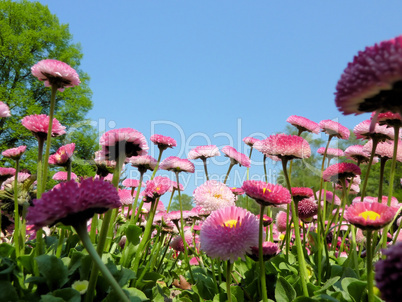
21	178
300	193
163	142
389	119
14	153
281	221
250	141
363	131
303	124
103	166
331	152
307	208
55	73
174	186
62	155
229	233
269	250
157	187
369	215
287	146
62	175
203	152
330	197
266	220
144	162
4	110
335	129
125	197
127	140
72	203
131	183
263	147
175	164
177	242
6	172
175	216
369	82
213	195
340	171
236	157
237	191
265	193
38	124
385	149
357	154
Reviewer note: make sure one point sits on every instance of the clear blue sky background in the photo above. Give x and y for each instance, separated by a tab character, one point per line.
213	72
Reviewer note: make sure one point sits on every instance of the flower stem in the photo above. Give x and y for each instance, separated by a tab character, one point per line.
86	241
157	164
16	212
170	201
261	257
363	192
227	173
229	280
204	160
369	265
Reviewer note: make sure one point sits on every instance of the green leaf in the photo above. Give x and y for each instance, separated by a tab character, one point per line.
6	250
134	294
65	294
327	285
354	287
27	262
284	291
304	299
7	291
133	234
53	270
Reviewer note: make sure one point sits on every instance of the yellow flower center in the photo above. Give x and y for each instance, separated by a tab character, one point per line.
371	215
230	223
216	195
265	189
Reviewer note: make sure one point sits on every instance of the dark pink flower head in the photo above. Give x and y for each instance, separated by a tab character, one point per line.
269	250
307	208
62	155
237	191
300	193
385	149
71	203
263	147
287	146
14	153
369	215
357	154
281	221
389	119
62	175
266	220
4	110
143	162
125	197
340	171
128	141
265	193
131	183
177	242
203	152
331	152
229	233
303	124
382	133
335	129
7	172
213	195
157	187
175	216
250	141
163	142
38	124
372	81
236	157
55	73
176	164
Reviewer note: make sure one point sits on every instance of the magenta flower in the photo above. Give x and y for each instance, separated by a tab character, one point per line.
369	215
307	209
269	250
55	73
131	183
72	203
175	164
287	146
281	221
203	152
4	110
303	124
300	193
62	155
357	154
14	153
237	191
382	133
177	242
38	124
334	129
340	171
263	147
250	141
265	193
128	141
329	197
8	172
236	157
163	142
157	187
371	82
331	152
389	119
144	162
229	233
213	195
62	176
125	197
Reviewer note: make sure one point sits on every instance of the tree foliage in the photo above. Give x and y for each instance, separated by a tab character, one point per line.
30	33
186	201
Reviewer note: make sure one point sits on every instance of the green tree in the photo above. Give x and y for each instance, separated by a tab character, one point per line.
30	33
186	201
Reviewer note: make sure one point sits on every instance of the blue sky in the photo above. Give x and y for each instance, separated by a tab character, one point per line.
213	72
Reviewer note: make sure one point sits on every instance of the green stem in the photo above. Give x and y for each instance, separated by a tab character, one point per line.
381	181
204	160
265	168
134	215
16	212
69	164
363	192
229	280
227	173
261	257
157	164
86	241
369	263
170	201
